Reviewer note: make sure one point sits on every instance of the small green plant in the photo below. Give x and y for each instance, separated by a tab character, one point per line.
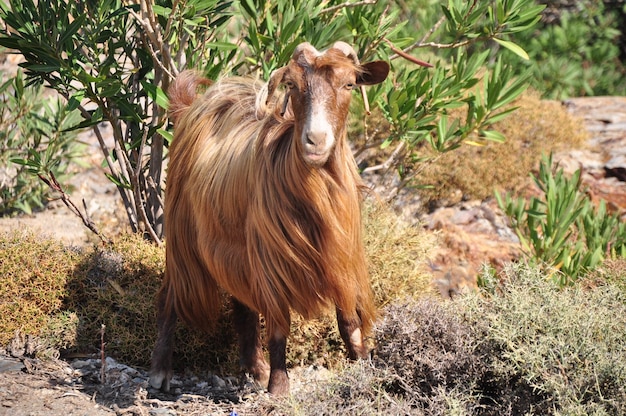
36	137
562	229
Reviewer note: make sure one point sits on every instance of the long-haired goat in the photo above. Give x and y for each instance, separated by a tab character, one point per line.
266	206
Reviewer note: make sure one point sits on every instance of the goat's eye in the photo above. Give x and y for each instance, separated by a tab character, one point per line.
290	84
350	86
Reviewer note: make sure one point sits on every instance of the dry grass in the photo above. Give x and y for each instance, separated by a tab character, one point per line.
116	287
34	276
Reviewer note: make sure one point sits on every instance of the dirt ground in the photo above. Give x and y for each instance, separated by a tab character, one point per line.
30	387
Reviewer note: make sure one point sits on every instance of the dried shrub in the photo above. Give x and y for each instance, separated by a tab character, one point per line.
358	389
116	287
537	127
426	347
34	276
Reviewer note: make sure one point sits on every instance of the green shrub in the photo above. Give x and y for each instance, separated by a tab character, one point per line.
36	137
562	229
113	61
575	49
568	345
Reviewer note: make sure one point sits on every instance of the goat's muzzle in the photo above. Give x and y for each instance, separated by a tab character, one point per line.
317	147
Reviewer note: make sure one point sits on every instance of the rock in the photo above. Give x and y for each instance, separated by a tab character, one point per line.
8	365
616	167
218	382
76	364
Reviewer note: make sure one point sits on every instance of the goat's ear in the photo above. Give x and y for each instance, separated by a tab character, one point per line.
373	73
275	78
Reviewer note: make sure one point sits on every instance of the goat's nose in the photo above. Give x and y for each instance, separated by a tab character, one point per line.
316	138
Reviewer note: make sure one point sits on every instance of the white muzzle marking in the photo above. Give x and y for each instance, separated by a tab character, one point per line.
318	137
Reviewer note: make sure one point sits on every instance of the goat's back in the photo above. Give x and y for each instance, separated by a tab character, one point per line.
206	198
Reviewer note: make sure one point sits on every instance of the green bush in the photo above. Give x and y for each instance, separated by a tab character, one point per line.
562	229
578	48
36	137
567	345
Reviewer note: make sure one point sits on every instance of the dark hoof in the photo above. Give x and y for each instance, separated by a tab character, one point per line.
160	380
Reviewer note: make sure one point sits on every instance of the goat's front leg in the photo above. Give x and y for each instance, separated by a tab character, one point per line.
161	368
248	328
277	345
351	331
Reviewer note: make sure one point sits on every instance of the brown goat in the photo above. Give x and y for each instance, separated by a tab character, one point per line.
265	205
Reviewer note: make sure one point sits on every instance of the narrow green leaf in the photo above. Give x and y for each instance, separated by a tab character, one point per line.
493	135
156	93
72	29
513	47
167	135
224	46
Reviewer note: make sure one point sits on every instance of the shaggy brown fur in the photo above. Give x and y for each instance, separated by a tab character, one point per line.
245	213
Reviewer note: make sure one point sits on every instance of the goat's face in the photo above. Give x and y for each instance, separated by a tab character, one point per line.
319	86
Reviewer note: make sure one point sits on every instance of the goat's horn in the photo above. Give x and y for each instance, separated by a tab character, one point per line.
351	53
300	48
347	50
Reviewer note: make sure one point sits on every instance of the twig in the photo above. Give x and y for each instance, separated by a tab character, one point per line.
430	32
347	4
54	184
155	41
406	56
389	162
423	44
103	365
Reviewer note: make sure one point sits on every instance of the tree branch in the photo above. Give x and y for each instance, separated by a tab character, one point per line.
346	5
389	162
401	53
54	184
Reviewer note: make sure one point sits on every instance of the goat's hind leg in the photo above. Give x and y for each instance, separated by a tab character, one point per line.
161	368
248	328
351	331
